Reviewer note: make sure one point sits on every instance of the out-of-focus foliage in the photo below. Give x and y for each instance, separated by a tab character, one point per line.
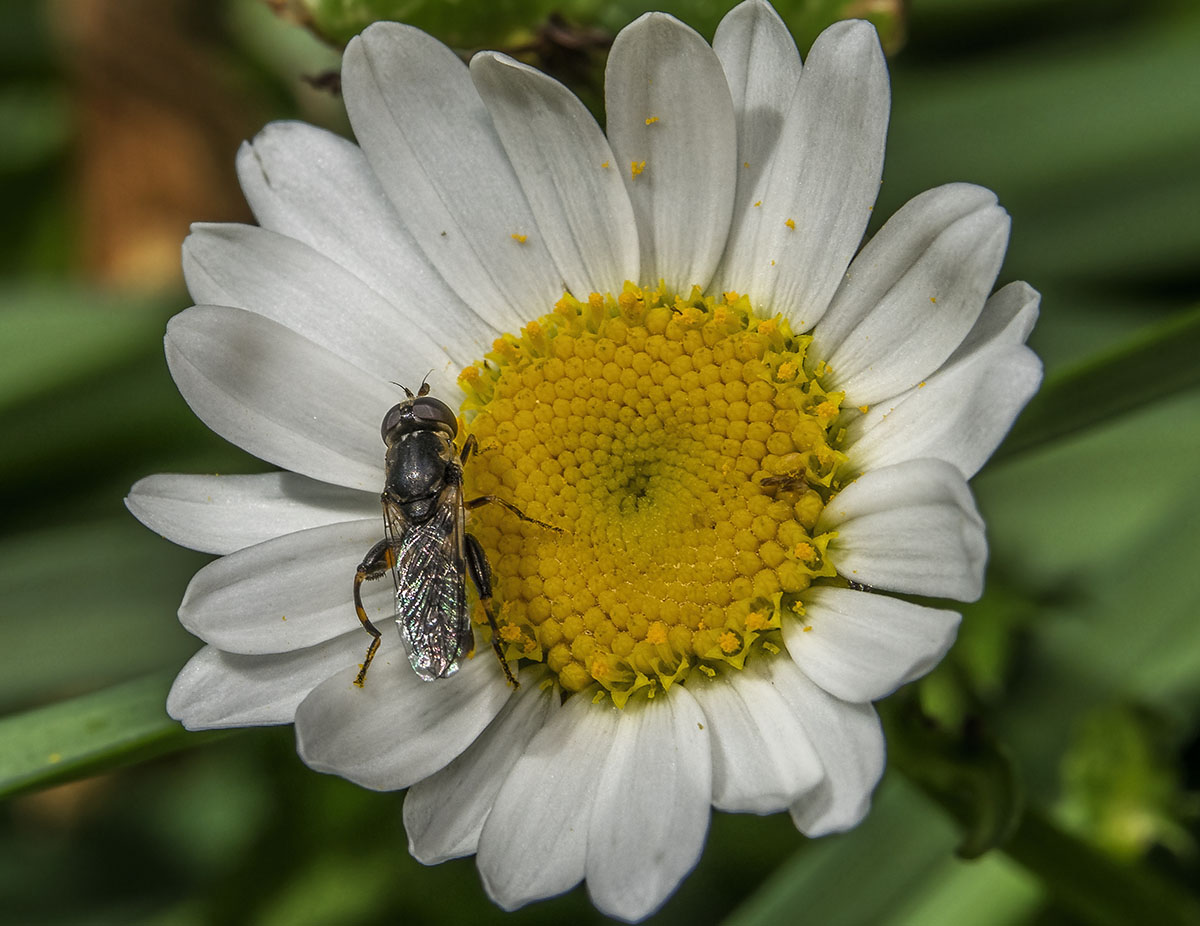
1121	788
1065	725
511	24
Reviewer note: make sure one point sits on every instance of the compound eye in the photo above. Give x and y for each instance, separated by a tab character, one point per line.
395	416
435	411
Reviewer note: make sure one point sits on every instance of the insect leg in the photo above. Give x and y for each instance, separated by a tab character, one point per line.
378	560
481	575
470	445
469	448
495	500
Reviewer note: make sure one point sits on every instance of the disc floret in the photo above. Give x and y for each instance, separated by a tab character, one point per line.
686	447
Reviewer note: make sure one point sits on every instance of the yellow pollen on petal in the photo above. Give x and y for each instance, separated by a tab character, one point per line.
650	120
791	223
605	165
636	168
757	203
681	456
519	238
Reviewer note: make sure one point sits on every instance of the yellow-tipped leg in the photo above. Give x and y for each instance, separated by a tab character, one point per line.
377	561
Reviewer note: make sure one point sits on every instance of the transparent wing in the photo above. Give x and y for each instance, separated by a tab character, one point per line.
430	579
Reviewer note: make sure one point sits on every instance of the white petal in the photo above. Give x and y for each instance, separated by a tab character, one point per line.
1007	318
669	108
762	67
280	396
397	729
849	741
914	292
962	412
912	527
218	689
567	170
893	251
287	593
535	841
444	813
960	415
221	514
861	646
285	280
822	180
429	139
762	759
652	807
318	188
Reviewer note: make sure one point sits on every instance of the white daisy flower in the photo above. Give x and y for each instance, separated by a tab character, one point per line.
663	344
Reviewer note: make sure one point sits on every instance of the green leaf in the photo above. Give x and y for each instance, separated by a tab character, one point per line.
57	336
1095	888
1149	367
897	867
970	784
87	406
990	891
88	734
112	621
1099	181
901	843
1131	631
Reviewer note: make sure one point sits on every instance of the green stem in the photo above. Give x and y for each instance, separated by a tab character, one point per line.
1095	887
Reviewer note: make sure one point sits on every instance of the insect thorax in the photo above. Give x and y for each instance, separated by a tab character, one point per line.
419	465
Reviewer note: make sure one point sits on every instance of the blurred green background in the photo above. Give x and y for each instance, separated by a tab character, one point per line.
1058	746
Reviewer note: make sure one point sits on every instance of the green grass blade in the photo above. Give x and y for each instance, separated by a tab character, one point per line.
899	846
89	734
1157	363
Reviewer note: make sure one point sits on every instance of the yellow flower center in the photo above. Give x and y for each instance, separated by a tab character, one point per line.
683	446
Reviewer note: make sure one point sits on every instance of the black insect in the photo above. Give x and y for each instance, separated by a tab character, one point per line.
425	542
789	482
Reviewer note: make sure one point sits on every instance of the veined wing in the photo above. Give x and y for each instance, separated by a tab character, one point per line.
431	592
